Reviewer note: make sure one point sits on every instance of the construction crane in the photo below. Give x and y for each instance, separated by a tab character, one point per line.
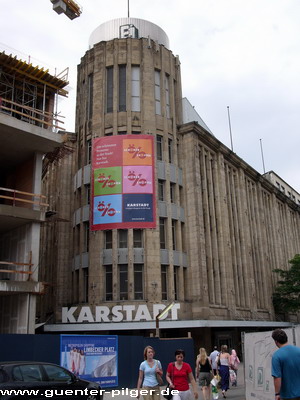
69	7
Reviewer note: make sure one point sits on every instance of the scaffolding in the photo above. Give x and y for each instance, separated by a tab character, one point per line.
29	93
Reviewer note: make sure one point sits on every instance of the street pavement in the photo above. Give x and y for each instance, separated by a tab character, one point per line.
237	393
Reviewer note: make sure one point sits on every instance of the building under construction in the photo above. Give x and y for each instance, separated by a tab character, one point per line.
29	129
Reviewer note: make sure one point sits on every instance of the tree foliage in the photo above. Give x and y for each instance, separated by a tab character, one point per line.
286	297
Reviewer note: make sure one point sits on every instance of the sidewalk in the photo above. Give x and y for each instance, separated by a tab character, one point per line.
233	393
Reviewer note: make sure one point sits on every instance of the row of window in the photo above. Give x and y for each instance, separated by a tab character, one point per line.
135	90
124	285
138	282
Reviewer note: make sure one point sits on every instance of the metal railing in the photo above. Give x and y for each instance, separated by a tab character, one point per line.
14	196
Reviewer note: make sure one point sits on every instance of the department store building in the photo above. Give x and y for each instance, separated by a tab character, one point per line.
219	227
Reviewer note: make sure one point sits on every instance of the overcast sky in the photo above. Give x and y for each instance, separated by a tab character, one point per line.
244	54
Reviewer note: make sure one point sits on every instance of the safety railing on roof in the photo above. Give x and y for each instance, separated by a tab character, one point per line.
32	115
15	197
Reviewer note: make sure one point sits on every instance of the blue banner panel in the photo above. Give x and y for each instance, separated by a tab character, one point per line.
94	358
137	207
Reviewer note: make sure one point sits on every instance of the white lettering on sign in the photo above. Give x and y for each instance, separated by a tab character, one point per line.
116	313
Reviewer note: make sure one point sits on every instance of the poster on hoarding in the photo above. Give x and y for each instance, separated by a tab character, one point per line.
123	191
94	358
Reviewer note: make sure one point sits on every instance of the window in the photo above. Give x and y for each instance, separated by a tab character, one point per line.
108	283
162	232
122	87
167	96
27	373
170	150
176	282
85	285
57	374
174	234
86	243
157	92
135	89
88	194
159	147
137	238
108	239
138	282
88	152
161	190
123	280
123	234
172	192
109	89
164	282
90	97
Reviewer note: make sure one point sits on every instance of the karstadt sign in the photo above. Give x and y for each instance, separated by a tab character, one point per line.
118	313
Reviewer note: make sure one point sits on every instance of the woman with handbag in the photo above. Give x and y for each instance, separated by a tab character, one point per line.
204	373
223	366
179	375
150	375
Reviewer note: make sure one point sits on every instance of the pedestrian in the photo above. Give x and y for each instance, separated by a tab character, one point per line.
204	373
223	363
213	358
234	364
148	375
179	374
285	367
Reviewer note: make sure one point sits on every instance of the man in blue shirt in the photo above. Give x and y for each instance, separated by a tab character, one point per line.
285	368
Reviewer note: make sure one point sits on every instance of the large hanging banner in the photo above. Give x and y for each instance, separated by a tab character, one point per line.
94	358
123	192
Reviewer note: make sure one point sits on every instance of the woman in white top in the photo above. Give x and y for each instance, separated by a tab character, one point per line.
223	366
148	375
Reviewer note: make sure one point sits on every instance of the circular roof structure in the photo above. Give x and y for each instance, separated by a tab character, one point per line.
128	28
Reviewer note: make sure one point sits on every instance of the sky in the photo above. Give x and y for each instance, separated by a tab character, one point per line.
241	54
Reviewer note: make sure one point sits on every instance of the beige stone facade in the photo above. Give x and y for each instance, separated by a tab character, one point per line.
221	226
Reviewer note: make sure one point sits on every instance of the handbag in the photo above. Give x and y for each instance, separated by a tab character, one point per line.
169	396
158	377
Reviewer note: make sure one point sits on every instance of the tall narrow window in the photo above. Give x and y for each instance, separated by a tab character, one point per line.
162	232
164	282
137	238
159	147
135	89
123	234
109	89
86	227
108	283
88	194
174	234
108	239
123	281
122	87
167	96
88	152
170	150
90	97
176	282
172	192
157	93
161	190
138	282
85	285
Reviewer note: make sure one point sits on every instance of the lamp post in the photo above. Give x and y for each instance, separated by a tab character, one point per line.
160	316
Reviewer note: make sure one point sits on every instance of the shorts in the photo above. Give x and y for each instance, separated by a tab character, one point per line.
205	378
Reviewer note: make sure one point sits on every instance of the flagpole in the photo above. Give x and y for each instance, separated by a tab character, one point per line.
230	128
